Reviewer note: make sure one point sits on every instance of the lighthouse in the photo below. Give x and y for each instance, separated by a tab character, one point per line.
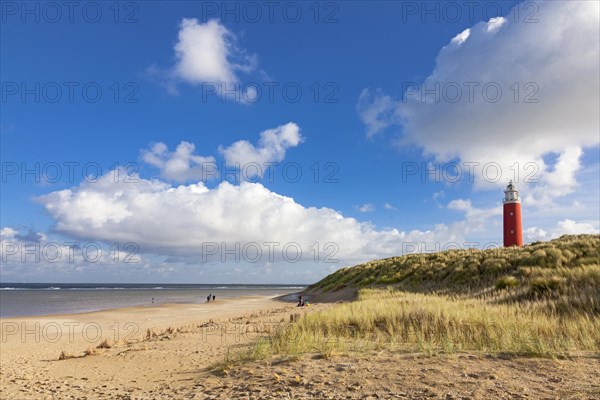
513	231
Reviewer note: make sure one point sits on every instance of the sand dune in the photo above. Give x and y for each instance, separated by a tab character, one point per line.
163	353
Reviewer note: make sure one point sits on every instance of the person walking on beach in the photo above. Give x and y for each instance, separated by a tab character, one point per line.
153	300
208	298
214	297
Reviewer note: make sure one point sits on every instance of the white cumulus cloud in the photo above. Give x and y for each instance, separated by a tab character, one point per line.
33	254
507	92
461	37
206	53
564	227
179	220
181	165
569	227
272	146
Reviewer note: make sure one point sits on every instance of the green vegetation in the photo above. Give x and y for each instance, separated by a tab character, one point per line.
566	269
390	319
539	300
507	282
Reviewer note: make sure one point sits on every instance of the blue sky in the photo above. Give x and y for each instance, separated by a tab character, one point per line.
137	101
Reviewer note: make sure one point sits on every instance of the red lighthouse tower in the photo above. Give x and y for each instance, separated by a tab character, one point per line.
513	230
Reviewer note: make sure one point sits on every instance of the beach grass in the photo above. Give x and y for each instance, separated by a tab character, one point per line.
431	323
570	260
542	300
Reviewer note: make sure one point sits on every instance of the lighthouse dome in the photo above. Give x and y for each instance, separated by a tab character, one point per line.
511	193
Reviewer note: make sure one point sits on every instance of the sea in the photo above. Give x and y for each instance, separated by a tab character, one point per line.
28	299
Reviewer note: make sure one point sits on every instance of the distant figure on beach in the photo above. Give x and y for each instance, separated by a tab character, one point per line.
208	298
214	297
153	300
300	302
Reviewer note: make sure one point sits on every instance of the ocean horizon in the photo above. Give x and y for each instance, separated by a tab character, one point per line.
33	299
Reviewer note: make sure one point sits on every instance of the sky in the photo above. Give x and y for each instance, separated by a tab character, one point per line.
275	142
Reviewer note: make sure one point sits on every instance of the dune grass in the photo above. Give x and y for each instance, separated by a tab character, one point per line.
542	300
396	320
468	268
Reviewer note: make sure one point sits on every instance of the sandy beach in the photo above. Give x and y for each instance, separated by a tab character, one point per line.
154	351
164	352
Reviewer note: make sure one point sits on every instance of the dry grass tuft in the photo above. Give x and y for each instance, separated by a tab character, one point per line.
65	355
91	351
105	344
150	334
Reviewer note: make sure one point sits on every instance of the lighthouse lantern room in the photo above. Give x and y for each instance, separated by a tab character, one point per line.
513	231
